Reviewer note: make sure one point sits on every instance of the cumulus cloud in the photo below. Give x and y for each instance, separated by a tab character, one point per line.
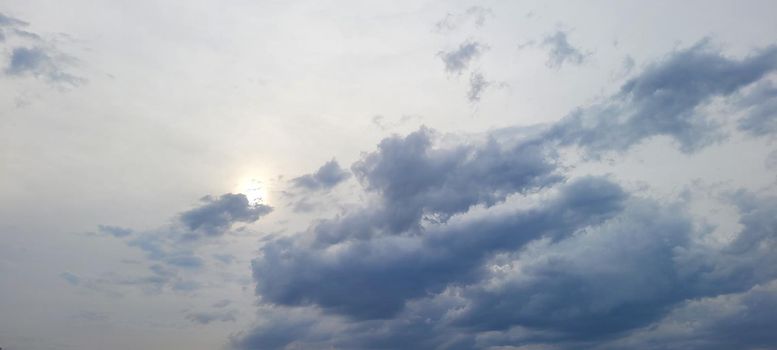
326	177
584	274
560	51
390	270
448	252
458	60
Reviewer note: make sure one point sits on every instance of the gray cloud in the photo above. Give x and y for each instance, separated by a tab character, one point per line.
458	60
8	21
560	51
662	101
761	110
217	215
439	184
477	85
588	266
173	251
326	177
392	270
37	58
602	273
115	231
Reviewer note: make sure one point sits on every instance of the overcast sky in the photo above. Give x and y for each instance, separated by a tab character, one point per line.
388	175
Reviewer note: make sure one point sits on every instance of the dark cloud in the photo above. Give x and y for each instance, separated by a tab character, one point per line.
391	270
609	266
326	177
469	244
560	51
663	101
417	181
217	215
457	60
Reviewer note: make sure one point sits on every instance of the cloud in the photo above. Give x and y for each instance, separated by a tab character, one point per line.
217	215
174	251
439	184
390	270
663	101
326	177
732	321
36	57
8	21
560	51
114	230
761	110
477	85
457	60
484	243
586	275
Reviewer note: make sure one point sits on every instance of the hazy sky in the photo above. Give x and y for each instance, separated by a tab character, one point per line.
388	175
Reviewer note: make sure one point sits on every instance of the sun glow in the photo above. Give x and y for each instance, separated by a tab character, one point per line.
254	190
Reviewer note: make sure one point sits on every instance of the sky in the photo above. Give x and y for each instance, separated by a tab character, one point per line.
530	175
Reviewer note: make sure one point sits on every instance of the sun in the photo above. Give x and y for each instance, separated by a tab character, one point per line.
254	190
